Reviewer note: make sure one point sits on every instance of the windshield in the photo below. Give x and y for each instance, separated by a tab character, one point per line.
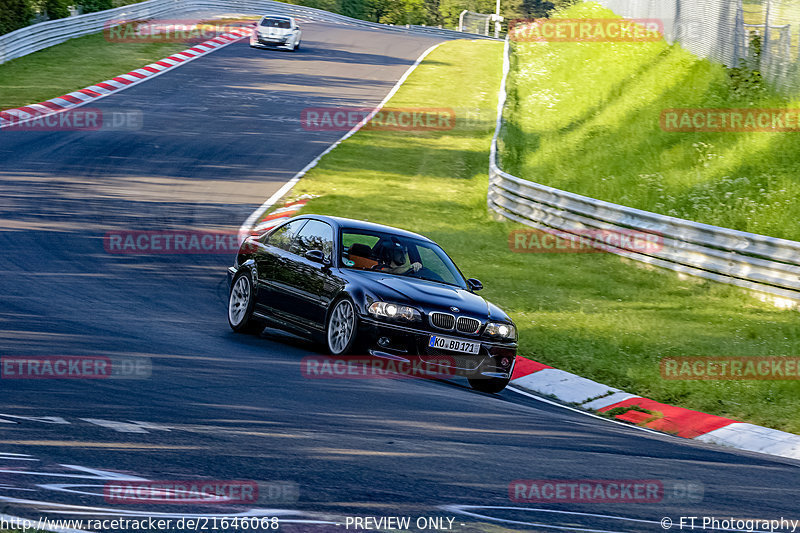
396	254
276	23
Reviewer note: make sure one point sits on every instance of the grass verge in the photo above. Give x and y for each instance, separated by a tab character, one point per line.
591	314
584	117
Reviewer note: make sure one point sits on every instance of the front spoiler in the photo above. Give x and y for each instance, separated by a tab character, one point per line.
461	371
256	44
414	331
487	363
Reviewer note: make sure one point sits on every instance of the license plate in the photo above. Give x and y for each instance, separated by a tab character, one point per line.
454	345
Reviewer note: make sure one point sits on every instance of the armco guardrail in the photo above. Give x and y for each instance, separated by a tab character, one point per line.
45	34
757	262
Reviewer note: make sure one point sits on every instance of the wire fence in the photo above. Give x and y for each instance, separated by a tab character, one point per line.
472	22
777	22
761	34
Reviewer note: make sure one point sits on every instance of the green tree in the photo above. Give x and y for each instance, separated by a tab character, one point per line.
434	14
544	8
14	14
91	6
353	8
376	10
406	12
54	9
536	8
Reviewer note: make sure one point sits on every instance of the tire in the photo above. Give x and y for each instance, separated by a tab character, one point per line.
487	384
296	47
341	327
241	304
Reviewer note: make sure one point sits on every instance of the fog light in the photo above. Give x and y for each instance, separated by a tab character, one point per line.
504	361
384	341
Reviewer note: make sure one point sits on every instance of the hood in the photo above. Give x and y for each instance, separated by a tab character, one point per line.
427	295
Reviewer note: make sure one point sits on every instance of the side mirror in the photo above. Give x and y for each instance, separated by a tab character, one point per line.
474	284
315	255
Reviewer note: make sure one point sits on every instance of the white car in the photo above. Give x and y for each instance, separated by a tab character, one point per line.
276	31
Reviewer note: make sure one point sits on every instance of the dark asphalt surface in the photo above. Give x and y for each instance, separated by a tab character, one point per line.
219	136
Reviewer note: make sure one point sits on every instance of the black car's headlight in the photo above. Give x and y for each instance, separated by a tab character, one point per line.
394	311
497	330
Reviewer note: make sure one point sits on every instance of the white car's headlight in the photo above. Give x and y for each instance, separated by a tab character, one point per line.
394	311
500	331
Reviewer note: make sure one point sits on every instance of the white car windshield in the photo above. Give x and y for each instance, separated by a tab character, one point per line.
276	23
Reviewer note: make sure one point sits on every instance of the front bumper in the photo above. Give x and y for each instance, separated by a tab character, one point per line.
493	360
261	42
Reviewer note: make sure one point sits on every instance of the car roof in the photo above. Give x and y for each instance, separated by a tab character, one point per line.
349	223
280	17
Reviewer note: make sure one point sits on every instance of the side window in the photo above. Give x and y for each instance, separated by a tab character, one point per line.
434	263
315	235
349	239
284	236
357	250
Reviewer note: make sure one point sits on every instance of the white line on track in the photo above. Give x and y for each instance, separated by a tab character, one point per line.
544	400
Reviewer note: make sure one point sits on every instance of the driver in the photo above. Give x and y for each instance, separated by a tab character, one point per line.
393	259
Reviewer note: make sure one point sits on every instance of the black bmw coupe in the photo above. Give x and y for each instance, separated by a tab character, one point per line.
365	288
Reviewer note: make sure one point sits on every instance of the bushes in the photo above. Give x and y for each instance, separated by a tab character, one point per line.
54	9
510	9
400	11
91	6
352	8
406	12
14	14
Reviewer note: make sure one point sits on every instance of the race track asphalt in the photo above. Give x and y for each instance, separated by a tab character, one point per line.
218	136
